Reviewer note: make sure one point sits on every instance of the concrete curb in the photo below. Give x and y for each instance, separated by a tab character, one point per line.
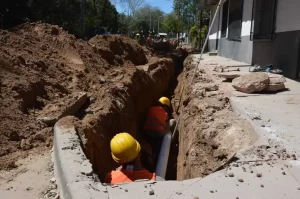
73	171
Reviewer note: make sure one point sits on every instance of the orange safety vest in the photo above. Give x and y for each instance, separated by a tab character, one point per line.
115	177
156	119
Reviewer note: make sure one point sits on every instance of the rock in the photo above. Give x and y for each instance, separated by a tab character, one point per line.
126	190
25	144
240	180
151	192
250	83
283	173
52	180
68	105
258	175
231	175
229	75
262	186
211	87
275	87
211	191
276	79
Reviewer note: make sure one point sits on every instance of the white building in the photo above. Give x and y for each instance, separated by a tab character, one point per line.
258	32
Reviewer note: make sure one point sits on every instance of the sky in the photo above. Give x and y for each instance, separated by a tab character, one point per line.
164	5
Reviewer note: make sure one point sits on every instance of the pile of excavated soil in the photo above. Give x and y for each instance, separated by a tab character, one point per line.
209	132
41	65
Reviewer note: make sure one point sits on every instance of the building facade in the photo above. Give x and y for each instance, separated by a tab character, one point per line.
258	32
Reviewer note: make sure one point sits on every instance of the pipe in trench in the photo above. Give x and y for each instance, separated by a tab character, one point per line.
162	163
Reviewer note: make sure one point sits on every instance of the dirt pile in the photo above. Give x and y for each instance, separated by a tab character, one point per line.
209	132
41	64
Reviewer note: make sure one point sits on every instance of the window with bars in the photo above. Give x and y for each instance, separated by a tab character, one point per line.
235	19
224	18
263	19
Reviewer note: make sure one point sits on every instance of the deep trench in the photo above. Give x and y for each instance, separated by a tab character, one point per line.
95	144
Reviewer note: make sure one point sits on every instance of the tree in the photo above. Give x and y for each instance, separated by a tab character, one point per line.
170	23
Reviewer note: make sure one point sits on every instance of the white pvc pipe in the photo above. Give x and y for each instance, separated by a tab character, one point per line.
162	163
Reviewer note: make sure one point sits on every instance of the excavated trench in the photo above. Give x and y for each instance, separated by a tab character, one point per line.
209	133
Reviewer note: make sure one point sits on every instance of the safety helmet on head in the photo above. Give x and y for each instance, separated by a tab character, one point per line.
165	101
124	148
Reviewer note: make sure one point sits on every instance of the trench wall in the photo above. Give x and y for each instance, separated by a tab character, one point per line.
122	108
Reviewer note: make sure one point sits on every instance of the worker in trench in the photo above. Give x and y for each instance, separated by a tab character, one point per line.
158	124
126	151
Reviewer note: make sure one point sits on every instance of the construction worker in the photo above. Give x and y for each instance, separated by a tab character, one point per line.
125	150
158	121
158	124
149	40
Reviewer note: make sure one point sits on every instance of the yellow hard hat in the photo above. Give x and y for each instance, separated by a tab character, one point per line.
124	148
165	101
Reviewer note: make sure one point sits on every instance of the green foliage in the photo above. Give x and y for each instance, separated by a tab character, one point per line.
194	35
65	13
170	23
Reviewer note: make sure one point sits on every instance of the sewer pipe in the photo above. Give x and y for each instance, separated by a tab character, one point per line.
162	163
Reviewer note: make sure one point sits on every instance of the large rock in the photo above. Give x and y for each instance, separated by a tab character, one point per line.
250	83
275	87
276	79
68	105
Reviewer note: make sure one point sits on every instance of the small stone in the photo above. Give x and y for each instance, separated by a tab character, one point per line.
145	186
126	190
262	125
251	171
151	192
298	188
244	169
237	198
235	165
294	158
178	193
195	197
211	191
283	173
52	180
28	188
262	186
240	180
231	175
258	175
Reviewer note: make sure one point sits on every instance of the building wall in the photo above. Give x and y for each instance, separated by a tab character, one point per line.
237	50
283	51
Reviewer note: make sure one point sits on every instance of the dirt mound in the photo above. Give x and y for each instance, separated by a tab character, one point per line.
41	64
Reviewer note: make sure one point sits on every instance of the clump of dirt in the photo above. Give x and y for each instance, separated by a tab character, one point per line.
209	132
41	64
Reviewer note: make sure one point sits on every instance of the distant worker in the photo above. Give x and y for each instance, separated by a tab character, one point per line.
149	40
125	150
137	37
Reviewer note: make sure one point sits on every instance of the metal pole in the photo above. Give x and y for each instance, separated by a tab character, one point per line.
150	21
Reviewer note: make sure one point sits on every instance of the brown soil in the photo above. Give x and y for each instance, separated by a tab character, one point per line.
209	132
41	64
